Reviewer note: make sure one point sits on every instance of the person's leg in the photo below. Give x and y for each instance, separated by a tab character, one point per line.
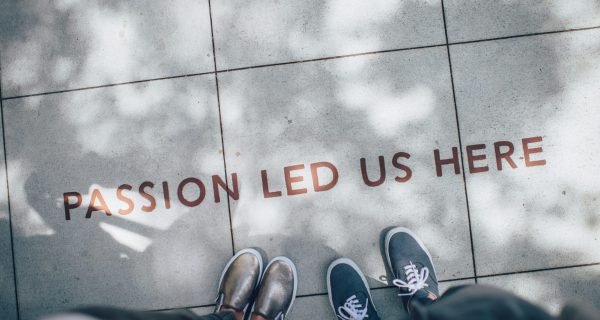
478	302
349	292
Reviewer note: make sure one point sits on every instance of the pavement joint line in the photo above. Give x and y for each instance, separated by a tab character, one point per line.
440	281
462	162
297	62
350	55
540	270
107	85
11	233
221	128
190	307
522	35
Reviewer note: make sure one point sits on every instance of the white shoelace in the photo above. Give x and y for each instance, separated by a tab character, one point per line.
415	279
353	310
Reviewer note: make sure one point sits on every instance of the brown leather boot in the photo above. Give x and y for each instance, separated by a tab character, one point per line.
239	280
277	290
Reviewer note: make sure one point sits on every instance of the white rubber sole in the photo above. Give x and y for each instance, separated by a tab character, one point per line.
391	233
239	253
357	269
294	272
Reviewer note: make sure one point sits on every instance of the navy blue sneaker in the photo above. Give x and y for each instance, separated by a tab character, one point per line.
349	293
412	267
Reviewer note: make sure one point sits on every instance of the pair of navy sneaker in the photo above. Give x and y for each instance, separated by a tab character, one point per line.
409	261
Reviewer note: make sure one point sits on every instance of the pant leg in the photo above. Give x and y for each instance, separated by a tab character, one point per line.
579	311
109	313
478	302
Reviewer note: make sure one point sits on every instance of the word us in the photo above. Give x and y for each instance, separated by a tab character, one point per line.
502	153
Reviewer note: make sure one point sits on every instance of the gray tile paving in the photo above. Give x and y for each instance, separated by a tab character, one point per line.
337	111
201	311
553	289
8	308
340	111
483	19
92	142
56	45
270	31
385	299
544	86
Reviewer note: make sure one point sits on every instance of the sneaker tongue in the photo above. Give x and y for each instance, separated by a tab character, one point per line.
362	297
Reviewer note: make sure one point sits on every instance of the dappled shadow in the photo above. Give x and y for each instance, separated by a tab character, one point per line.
66	44
264	32
100	139
541	86
336	110
485	19
314	116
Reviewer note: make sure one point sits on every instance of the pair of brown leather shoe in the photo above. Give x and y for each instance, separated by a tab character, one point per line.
245	287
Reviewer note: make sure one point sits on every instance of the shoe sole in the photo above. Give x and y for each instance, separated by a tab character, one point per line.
294	272
239	253
357	269
396	230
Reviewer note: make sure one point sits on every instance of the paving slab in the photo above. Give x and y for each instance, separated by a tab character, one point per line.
202	311
544	212
553	289
262	32
8	307
153	251
57	45
484	19
340	111
386	301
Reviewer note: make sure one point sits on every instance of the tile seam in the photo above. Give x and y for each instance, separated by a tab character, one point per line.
10	221
540	270
107	85
221	126
296	62
221	71
462	162
350	55
523	35
179	308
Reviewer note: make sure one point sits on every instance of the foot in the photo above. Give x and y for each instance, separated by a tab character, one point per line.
412	266
349	293
277	290
238	282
